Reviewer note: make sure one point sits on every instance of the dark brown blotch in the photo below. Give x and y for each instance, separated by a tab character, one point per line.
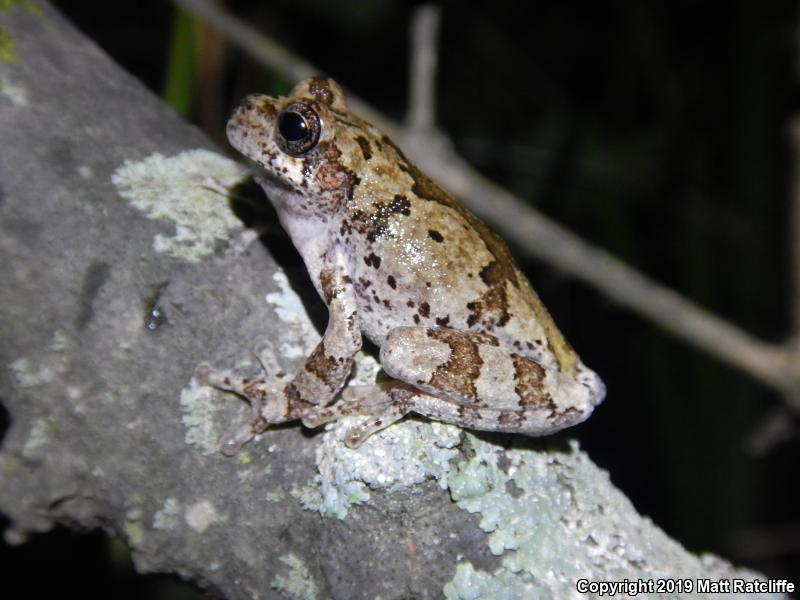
529	383
392	282
400	204
295	403
491	309
459	374
373	260
326	284
366	149
435	235
374	224
424	309
319	363
492	274
469	415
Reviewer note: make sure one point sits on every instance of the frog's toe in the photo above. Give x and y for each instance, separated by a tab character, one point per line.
201	373
268	359
380	420
232	442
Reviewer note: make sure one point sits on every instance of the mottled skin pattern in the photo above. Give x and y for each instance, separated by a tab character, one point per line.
398	260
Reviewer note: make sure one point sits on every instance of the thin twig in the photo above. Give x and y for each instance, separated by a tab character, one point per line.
424	58
538	236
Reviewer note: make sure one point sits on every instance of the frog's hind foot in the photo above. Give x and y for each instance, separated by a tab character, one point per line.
257	392
383	403
356	400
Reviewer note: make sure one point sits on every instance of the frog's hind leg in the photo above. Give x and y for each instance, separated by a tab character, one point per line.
356	400
469	416
468	378
384	403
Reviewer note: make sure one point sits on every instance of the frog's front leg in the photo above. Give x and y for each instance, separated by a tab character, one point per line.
469	379
275	400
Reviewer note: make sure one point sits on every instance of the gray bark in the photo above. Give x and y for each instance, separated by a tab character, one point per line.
118	279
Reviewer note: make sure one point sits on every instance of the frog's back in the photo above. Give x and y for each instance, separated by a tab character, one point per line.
419	258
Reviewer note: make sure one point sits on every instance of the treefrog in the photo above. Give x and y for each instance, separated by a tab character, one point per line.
462	334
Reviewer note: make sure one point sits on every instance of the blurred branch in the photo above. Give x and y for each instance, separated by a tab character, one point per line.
424	58
539	237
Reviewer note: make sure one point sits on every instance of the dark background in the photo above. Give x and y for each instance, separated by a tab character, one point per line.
656	130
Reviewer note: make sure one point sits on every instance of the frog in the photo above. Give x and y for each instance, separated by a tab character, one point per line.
461	334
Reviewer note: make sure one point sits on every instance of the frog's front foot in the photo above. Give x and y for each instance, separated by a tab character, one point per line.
263	395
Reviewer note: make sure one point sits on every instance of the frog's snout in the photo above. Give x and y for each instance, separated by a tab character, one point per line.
251	110
251	116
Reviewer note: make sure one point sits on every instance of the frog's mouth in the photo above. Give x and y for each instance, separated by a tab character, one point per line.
269	180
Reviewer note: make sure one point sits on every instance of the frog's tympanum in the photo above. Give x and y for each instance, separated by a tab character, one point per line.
461	332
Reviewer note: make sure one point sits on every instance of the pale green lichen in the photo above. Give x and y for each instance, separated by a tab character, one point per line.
17	94
246	474
133	533
9	465
308	496
31	7
29	376
275	496
197	405
132	526
299	337
37	438
398	457
201	515
297	584
60	342
532	516
167	518
555	518
185	190
7	52
48	366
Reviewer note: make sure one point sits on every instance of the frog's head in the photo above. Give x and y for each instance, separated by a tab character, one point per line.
303	146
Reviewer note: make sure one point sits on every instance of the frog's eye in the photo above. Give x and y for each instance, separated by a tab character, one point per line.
298	129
